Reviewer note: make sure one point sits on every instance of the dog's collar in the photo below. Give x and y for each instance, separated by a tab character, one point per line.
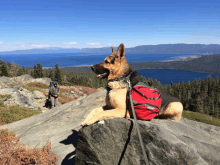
127	77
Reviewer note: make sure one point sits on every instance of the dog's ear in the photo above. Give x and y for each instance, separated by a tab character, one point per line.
113	50
121	51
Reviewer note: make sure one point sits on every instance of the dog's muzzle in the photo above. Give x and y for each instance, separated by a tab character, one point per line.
100	71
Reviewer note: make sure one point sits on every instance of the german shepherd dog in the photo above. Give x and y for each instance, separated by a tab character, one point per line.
114	68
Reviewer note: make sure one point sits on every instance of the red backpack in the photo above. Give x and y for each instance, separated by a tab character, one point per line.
146	100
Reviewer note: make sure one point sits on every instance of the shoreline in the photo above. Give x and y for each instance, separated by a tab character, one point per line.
67	66
181	58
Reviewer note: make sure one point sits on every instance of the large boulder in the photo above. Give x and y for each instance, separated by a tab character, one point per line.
167	142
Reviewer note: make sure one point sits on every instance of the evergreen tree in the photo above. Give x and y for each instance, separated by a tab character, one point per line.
20	72
25	71
32	73
51	75
39	71
57	74
3	68
46	74
9	65
35	71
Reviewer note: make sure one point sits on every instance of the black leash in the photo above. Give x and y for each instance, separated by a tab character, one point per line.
135	120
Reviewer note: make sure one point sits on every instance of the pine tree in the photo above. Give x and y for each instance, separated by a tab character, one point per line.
57	74
20	72
3	68
35	71
39	71
51	75
46	74
32	73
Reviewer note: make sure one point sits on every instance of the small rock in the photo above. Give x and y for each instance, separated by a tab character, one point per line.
99	89
38	95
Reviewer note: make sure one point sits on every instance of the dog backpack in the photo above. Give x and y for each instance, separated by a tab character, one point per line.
146	100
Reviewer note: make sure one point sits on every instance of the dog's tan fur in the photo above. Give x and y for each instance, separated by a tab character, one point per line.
115	106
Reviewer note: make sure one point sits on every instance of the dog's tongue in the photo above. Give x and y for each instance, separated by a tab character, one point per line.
101	75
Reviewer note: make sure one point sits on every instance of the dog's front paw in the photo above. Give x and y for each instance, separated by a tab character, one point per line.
84	123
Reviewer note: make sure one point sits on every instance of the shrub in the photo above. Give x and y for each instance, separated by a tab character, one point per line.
5	96
15	113
67	99
11	85
31	88
2	103
38	85
13	152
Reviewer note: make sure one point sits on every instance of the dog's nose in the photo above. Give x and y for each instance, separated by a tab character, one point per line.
92	67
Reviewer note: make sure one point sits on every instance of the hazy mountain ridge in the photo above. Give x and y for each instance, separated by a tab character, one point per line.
162	48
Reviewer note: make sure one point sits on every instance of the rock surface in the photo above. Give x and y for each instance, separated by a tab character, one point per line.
166	142
59	125
34	100
115	141
38	95
23	78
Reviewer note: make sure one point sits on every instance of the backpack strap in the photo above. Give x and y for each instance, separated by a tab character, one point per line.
149	106
150	98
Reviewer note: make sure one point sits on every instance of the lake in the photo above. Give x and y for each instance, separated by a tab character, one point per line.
165	76
81	59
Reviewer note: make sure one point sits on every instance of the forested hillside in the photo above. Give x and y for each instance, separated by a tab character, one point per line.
201	96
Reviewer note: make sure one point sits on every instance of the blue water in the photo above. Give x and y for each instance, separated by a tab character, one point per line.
80	59
165	76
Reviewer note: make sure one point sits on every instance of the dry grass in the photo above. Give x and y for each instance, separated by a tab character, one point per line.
38	85
5	96
87	90
67	99
14	153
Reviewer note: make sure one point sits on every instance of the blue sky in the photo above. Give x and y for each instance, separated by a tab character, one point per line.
28	24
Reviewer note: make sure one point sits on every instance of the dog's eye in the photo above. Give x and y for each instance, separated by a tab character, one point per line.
106	62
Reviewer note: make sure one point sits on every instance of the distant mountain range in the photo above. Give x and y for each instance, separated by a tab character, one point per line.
162	48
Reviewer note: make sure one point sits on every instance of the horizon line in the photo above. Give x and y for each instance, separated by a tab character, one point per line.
103	47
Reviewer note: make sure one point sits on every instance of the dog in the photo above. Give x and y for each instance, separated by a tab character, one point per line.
115	69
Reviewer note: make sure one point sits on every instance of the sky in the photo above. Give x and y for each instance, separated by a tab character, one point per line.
29	24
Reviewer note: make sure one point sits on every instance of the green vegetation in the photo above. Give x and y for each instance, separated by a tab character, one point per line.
35	86
57	74
9	114
201	118
3	69
5	96
202	96
37	72
31	88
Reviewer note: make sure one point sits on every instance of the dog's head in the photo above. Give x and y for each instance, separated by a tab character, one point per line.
113	66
